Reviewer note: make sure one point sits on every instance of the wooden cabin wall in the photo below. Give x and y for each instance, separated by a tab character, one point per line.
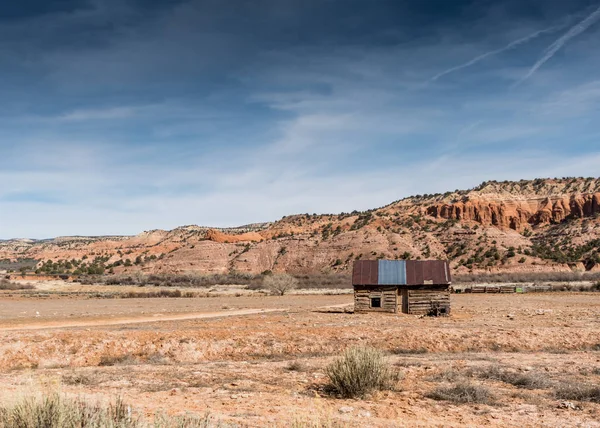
423	301
388	295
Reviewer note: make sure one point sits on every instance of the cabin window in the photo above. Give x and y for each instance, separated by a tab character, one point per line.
376	302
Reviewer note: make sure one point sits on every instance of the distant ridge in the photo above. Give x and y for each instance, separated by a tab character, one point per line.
527	225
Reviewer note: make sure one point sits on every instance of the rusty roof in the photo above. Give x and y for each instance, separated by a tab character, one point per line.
400	272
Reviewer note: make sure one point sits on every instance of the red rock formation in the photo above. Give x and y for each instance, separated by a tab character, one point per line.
518	214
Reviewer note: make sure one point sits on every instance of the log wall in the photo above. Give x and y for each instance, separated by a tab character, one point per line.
426	300
388	296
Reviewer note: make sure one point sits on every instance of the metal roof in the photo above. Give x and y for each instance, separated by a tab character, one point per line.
401	272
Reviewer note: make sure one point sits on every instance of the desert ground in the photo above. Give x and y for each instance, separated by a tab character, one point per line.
257	360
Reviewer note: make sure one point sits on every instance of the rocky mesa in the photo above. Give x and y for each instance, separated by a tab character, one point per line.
529	225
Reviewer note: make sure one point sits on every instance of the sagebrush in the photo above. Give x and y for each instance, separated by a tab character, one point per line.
56	411
360	371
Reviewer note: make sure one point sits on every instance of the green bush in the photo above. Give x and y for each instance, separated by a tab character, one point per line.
359	372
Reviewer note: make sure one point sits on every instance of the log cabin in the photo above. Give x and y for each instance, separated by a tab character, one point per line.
411	286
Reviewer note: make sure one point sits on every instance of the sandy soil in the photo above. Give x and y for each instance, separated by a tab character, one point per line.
238	369
19	310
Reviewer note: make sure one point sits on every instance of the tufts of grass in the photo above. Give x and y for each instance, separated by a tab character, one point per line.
462	392
360	371
578	392
296	366
7	285
407	363
117	360
56	411
449	375
75	378
530	380
403	351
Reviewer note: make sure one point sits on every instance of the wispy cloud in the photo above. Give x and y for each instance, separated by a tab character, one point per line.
111	113
509	46
574	31
194	115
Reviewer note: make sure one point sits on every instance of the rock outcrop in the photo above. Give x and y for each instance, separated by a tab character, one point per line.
518	214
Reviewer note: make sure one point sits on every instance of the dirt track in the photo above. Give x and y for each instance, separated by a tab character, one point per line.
139	320
19	312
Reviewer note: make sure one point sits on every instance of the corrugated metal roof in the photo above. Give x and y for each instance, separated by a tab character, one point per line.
400	272
365	272
392	272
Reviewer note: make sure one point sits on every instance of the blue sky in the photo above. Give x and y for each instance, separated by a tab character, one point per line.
118	116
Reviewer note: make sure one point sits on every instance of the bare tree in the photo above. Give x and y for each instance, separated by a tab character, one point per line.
280	283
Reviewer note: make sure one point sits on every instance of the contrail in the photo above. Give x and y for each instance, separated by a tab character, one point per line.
577	29
497	51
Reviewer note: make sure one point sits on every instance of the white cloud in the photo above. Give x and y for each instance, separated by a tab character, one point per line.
111	113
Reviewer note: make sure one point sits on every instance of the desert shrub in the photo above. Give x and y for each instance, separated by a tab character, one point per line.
175	280
280	284
578	392
530	380
296	366
447	375
114	360
359	372
161	293
318	280
463	392
7	285
77	379
518	277
55	411
186	421
251	281
405	351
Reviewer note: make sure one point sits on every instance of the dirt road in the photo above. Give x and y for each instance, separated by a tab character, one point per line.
39	314
138	320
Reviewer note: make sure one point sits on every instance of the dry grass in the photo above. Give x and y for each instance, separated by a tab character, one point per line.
403	351
280	284
527	380
76	378
525	277
56	411
296	366
253	282
462	392
161	293
448	375
359	372
7	285
578	391
117	360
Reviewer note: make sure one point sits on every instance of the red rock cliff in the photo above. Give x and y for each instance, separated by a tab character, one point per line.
518	214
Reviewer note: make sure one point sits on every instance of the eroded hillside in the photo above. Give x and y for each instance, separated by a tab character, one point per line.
538	225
